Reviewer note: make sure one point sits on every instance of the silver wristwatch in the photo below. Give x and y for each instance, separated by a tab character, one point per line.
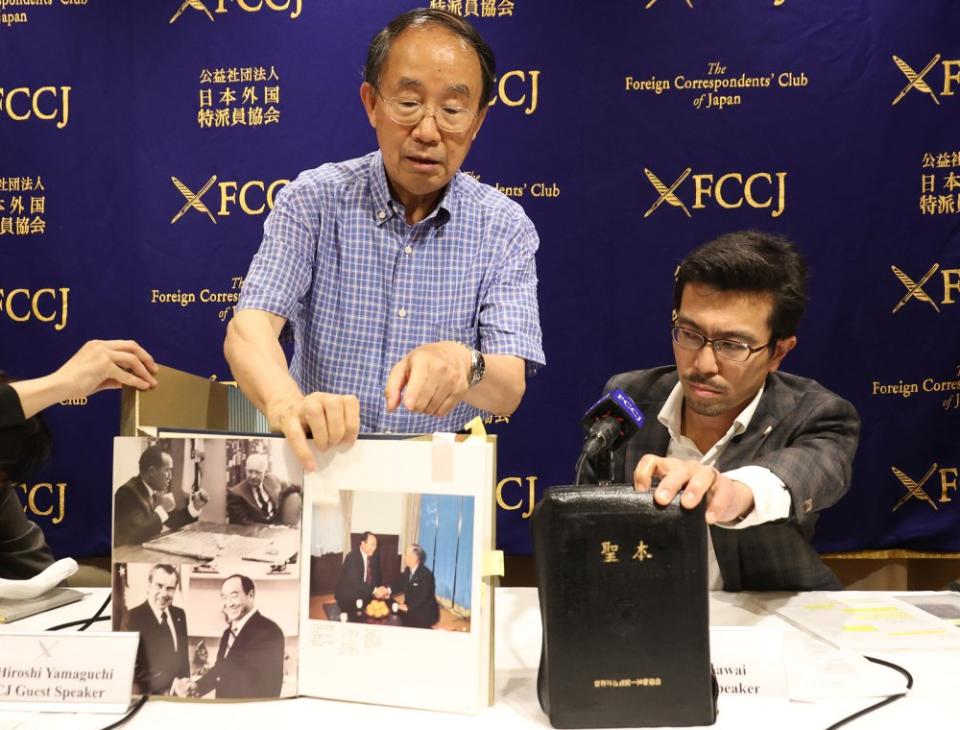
477	366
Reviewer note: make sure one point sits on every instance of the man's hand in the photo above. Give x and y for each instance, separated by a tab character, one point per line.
727	500
181	687
102	364
430	379
331	419
199	499
167	502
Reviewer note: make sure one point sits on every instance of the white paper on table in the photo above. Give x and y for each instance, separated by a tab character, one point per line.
945	606
843	675
865	622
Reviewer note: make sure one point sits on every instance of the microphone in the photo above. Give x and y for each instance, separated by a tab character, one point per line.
609	422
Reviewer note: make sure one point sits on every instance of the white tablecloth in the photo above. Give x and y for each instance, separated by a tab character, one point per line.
934	702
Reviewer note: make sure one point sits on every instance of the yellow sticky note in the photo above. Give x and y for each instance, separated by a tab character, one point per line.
475	427
492	563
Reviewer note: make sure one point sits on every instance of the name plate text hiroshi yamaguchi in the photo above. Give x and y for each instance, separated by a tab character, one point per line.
61	672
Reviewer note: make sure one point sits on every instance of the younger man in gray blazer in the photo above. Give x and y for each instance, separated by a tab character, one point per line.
766	450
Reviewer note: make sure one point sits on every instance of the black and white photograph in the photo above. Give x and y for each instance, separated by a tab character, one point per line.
203	500
230	633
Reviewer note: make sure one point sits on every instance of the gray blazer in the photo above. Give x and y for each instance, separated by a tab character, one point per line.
810	445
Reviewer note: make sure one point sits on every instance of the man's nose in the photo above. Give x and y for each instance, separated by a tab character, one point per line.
706	360
426	130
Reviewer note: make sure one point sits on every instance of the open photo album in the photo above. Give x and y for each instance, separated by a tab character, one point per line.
248	578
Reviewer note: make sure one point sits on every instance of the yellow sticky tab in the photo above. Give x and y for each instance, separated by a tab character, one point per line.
492	564
475	427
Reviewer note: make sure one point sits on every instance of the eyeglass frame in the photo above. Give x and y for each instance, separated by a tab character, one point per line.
713	343
423	115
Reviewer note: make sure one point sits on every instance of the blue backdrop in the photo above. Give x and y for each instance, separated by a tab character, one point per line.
141	145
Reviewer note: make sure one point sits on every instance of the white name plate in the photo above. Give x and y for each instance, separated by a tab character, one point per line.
749	661
67	672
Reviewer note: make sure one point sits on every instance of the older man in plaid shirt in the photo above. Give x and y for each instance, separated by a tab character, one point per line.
409	287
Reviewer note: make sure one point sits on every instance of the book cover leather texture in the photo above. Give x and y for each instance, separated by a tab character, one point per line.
624	604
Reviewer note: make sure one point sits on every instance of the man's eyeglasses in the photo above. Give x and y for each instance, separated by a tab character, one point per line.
727	349
410	112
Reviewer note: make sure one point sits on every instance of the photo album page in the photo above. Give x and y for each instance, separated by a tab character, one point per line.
249	579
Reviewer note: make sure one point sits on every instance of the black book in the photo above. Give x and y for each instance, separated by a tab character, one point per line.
624	605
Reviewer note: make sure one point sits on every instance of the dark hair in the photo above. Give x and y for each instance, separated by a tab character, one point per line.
417	18
25	447
152	457
751	261
166	568
419	552
365	535
245	583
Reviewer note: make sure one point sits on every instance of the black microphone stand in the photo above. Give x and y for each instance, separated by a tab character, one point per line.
605	473
604	467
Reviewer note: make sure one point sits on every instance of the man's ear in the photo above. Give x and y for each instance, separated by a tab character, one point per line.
368	95
780	351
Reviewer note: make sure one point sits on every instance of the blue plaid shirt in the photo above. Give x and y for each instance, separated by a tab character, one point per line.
360	287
